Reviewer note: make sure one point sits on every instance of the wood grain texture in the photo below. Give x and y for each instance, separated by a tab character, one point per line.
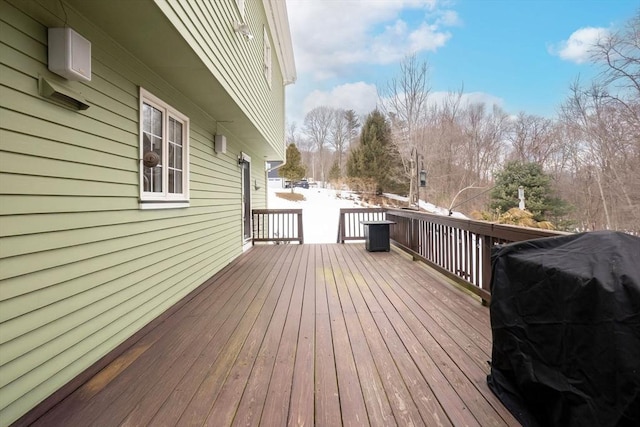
304	335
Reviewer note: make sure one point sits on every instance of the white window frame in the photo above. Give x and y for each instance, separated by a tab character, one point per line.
164	199
240	4
267	57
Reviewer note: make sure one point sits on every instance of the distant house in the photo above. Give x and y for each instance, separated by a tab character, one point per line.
122	194
273	175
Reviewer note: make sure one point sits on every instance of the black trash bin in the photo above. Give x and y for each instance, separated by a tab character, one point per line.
376	235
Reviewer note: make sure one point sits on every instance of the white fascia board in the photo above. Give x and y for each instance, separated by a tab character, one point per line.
278	21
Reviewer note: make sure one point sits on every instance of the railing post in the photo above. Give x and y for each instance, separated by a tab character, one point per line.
300	230
415	234
487	244
254	228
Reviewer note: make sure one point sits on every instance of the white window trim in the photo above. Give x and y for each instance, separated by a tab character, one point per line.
240	4
164	200
267	57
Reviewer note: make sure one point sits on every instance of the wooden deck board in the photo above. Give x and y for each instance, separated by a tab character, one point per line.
321	335
301	398
352	404
373	390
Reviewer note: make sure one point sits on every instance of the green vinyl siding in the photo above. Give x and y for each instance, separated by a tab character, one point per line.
237	63
82	268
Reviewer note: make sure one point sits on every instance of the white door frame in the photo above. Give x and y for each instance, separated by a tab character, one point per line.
245	192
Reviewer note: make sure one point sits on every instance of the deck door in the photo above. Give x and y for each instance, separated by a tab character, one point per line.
246	198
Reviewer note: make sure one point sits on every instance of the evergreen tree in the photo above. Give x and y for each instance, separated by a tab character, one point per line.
376	157
293	170
539	197
353	166
334	172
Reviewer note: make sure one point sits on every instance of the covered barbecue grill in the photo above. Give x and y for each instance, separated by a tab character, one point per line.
565	318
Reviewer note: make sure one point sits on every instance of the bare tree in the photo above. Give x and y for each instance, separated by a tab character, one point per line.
484	135
532	138
619	53
339	133
608	152
291	133
443	135
317	127
404	101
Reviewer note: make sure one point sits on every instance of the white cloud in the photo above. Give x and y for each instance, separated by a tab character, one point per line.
482	98
579	45
360	97
331	36
427	37
449	18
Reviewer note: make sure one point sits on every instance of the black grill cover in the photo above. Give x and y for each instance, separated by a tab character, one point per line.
565	318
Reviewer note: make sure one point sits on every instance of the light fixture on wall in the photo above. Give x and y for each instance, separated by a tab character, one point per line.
243	28
220	144
255	185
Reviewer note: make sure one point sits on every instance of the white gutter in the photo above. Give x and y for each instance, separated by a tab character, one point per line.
277	167
278	20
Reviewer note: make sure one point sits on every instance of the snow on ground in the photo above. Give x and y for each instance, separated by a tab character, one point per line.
321	210
429	207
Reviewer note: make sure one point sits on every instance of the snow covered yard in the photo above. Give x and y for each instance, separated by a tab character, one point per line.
320	211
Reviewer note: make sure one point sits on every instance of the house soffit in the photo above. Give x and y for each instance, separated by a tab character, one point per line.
142	29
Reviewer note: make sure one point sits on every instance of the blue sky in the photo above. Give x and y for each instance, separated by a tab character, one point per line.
519	54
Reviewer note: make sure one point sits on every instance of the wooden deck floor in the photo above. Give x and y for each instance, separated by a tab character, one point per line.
323	335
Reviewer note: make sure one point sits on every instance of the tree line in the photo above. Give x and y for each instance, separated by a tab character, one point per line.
587	155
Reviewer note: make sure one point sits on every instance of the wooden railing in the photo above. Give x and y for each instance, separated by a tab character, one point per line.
277	225
350	224
458	248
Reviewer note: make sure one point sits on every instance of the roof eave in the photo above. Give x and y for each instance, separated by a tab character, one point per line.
278	20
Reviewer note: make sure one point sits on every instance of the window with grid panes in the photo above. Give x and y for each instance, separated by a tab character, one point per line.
164	141
240	4
267	56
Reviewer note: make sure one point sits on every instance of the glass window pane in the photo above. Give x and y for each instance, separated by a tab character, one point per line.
171	179
157	122
146	143
146	179
178	136
157	179
178	156
172	156
177	182
157	147
146	118
171	129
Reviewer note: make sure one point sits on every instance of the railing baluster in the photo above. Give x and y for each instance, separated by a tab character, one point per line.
277	225
460	248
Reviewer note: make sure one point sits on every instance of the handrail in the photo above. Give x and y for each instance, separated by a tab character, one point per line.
350	224
277	225
458	248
